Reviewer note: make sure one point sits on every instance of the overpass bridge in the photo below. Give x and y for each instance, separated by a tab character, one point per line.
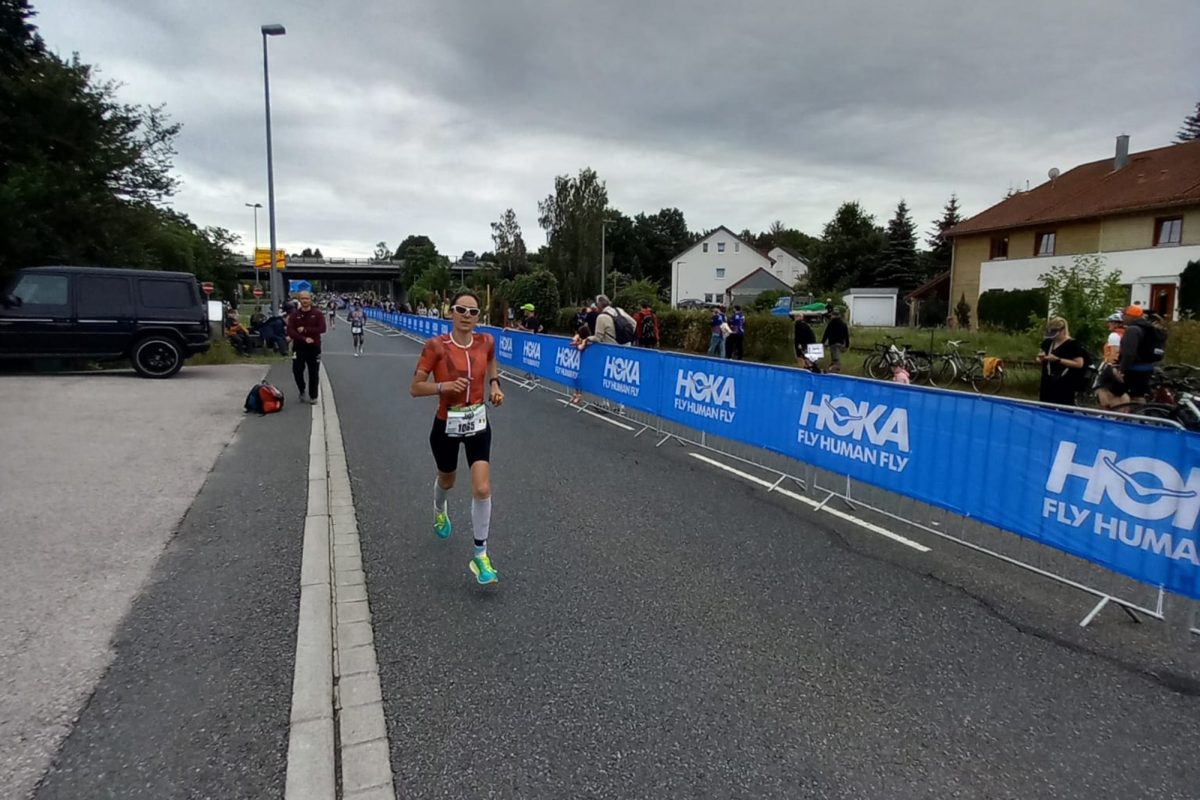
346	274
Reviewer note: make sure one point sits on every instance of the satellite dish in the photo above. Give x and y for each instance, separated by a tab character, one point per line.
1053	173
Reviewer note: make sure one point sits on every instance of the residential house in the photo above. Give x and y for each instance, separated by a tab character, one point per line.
744	292
789	267
708	268
1140	211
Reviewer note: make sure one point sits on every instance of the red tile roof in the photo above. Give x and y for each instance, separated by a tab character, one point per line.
1152	180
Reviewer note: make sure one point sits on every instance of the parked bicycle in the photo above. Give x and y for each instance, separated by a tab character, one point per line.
986	375
1185	411
916	363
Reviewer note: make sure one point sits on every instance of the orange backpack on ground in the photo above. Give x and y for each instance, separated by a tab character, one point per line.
264	399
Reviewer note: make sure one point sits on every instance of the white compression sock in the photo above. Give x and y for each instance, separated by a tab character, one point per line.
439	497
481	522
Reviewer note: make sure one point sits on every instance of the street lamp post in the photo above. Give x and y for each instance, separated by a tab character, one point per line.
276	278
256	207
603	269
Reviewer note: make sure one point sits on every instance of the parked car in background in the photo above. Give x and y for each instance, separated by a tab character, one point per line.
800	306
154	319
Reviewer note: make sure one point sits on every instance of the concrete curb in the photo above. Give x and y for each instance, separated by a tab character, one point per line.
337	704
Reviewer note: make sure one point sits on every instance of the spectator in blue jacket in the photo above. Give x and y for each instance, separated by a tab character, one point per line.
716	342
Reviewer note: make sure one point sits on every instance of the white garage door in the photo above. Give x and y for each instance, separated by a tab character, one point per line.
876	311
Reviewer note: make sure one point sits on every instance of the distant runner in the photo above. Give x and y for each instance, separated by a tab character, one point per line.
463	366
332	309
358	322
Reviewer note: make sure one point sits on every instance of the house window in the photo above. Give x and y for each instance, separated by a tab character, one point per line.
778	273
706	247
999	247
708	297
1044	244
1168	231
720	247
737	247
720	272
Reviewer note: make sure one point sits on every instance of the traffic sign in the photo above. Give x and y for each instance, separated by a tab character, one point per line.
207	287
262	259
258	292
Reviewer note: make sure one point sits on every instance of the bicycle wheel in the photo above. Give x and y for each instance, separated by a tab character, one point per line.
944	374
877	367
988	384
920	367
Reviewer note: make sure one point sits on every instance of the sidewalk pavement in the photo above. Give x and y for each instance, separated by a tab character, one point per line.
98	469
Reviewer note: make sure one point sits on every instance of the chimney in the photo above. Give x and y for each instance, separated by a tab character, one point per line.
1122	152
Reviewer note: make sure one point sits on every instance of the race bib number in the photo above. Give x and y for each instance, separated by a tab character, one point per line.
356	329
814	352
466	420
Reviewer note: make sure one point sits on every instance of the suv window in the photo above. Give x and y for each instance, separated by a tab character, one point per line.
35	289
165	294
104	296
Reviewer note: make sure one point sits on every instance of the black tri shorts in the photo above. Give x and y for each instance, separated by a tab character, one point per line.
445	448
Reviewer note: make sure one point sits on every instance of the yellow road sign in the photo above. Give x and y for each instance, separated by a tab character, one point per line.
262	258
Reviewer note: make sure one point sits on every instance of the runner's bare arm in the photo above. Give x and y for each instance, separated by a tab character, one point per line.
493	375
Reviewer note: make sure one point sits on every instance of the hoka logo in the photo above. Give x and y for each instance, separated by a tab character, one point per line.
625	370
872	434
532	354
567	358
705	395
623	375
702	387
506	347
1142	487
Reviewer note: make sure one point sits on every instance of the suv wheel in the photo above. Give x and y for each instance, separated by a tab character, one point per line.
157	357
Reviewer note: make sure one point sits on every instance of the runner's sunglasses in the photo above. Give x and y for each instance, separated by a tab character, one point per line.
465	311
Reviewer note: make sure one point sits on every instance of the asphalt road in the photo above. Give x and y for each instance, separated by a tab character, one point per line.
98	470
195	703
662	629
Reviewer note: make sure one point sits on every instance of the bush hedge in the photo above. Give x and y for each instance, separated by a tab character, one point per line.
1011	310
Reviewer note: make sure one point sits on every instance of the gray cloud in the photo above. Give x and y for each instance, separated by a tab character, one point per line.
432	117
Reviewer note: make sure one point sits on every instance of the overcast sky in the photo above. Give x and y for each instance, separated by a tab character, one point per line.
394	117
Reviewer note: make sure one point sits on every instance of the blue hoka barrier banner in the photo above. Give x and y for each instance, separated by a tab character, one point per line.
1122	495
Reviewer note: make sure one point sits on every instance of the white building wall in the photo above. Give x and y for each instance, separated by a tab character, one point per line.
788	268
696	273
1139	268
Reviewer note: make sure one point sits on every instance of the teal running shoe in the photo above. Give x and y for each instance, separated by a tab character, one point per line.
481	568
441	525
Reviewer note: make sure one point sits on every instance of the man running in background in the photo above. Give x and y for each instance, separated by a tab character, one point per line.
358	323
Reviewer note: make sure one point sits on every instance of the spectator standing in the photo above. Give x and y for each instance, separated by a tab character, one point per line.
1140	351
590	318
836	339
529	321
305	326
606	326
1059	356
645	323
580	319
716	339
803	336
735	342
1110	392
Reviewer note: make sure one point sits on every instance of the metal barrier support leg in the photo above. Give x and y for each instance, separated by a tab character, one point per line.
1092	614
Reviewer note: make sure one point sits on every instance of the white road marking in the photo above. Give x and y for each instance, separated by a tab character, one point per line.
862	523
607	419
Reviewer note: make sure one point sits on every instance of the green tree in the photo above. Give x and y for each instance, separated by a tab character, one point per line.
1191	128
633	294
1189	290
766	300
539	287
84	178
899	267
940	245
418	257
659	238
1084	294
850	252
572	216
962	312
382	251
412	241
510	245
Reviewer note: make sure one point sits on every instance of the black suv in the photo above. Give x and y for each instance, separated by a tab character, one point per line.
155	319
